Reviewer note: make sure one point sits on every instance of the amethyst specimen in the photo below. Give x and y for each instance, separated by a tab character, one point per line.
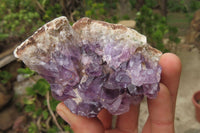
93	64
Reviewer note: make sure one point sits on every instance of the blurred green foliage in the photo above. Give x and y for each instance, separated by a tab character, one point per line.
155	27
132	3
194	5
172	5
19	19
151	3
148	3
177	6
94	9
36	106
183	5
41	87
5	76
90	9
32	128
27	72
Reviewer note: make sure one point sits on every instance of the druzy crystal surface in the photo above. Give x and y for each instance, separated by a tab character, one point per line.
93	64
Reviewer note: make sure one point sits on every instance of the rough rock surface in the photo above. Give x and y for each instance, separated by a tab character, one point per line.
93	64
8	116
5	95
4	99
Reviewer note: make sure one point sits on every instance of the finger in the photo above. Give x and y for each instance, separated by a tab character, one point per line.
79	124
171	71
115	131
128	122
105	118
160	113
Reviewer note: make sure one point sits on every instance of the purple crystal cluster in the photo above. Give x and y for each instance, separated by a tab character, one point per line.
93	64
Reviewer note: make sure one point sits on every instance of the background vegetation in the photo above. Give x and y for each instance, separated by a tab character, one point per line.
19	19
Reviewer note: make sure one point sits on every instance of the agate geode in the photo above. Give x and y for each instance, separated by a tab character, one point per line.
93	64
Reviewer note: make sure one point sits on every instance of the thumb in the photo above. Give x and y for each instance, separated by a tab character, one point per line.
79	124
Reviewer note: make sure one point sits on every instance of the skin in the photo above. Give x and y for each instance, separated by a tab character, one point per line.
161	110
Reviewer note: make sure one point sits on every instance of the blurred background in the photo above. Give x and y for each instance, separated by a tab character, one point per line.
26	104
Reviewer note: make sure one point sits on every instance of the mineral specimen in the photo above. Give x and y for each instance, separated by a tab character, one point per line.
93	64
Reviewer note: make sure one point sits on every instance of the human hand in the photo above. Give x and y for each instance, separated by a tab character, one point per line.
161	109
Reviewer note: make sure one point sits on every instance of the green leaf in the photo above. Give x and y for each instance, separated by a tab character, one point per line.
53	104
67	128
30	91
3	36
45	102
32	128
29	101
37	113
26	71
41	87
30	108
53	129
88	13
5	76
45	114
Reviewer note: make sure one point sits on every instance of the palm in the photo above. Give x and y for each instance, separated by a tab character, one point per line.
161	109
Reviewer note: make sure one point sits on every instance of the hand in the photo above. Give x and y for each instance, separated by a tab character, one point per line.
161	109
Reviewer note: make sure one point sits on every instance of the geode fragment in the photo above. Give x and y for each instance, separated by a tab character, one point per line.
93	64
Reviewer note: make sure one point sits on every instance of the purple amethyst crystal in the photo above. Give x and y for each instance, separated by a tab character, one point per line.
93	64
